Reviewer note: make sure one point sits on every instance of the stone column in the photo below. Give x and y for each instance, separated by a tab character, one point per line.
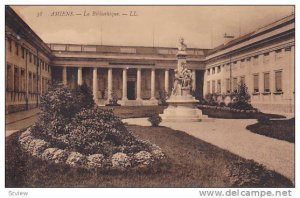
167	81
95	85
124	95
79	77
193	80
109	84
64	76
152	84
138	85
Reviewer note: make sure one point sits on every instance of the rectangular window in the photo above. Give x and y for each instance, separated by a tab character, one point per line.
30	57
278	81
266	82
208	87
227	85
33	83
9	45
22	80
219	69
235	84
208	72
16	79
219	86
213	70
23	52
213	86
17	49
9	82
30	82
256	83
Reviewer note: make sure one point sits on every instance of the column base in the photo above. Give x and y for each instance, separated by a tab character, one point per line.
123	102
183	113
151	102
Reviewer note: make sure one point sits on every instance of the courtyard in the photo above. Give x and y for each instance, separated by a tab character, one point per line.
138	114
201	154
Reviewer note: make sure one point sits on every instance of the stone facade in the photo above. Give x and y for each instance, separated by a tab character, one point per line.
28	72
264	60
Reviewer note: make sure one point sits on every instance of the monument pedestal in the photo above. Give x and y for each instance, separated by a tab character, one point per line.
182	109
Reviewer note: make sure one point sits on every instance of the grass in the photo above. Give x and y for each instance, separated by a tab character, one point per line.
279	129
190	163
136	111
226	114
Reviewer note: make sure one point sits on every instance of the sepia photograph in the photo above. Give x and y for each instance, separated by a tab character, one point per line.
150	96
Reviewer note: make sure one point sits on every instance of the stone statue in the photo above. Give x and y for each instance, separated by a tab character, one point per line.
182	105
182	45
182	80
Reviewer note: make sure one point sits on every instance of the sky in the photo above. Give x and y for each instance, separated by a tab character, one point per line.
159	26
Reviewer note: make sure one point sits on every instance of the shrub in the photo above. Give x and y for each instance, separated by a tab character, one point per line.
59	105
222	104
241	99
242	105
94	161
100	131
163	96
143	158
120	161
211	99
248	173
155	120
263	119
113	101
85	96
70	130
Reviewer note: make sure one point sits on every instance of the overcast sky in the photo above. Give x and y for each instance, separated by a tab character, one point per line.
201	26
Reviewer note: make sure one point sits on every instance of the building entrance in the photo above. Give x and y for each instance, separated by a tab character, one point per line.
131	90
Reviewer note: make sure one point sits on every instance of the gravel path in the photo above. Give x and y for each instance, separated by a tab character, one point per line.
232	135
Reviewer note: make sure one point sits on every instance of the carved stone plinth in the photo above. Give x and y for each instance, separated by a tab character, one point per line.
182	109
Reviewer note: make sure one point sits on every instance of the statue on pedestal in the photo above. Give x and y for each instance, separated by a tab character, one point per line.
181	104
183	76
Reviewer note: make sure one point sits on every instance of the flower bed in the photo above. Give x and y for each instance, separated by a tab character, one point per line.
118	161
228	113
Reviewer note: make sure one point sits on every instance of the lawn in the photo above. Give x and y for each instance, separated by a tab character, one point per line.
190	163
135	111
279	129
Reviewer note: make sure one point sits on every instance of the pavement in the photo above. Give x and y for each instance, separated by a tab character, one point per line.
15	122
232	135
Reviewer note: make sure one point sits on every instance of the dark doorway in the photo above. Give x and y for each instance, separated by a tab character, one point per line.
131	90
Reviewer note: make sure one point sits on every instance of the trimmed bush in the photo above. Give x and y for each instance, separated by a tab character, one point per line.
71	130
99	131
263	119
120	161
155	120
